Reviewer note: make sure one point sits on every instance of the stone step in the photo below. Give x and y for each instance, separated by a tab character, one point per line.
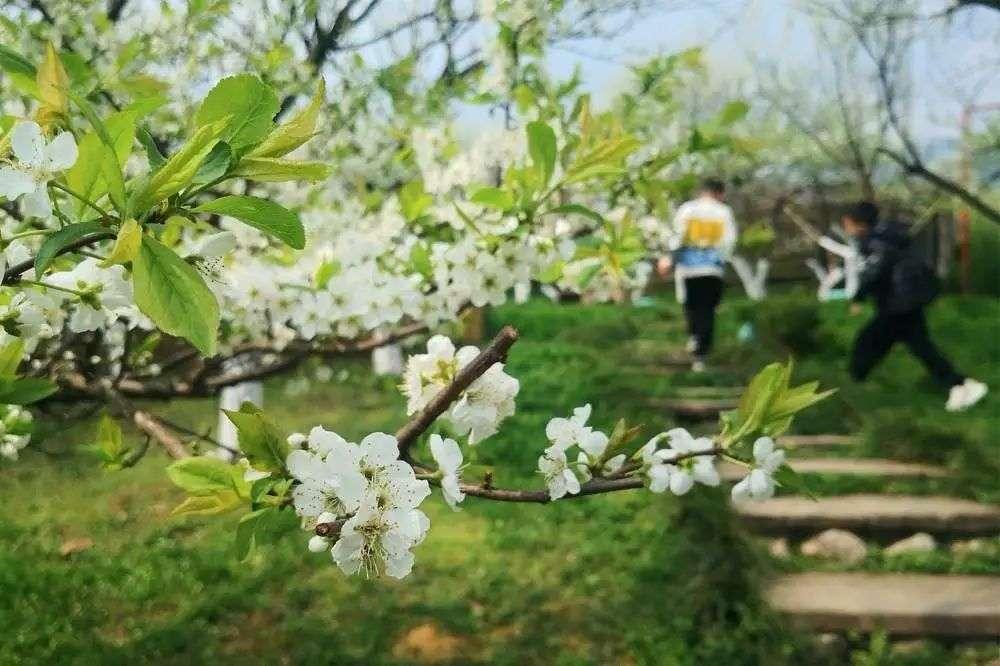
713	392
872	514
817	441
849	466
900	604
698	408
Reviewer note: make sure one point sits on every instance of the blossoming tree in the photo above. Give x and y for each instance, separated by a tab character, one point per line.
157	247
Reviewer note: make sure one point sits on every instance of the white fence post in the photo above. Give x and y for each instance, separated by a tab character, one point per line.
754	280
231	398
387	360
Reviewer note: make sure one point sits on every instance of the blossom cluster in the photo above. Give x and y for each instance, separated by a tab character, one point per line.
368	489
480	409
680	464
564	476
15	430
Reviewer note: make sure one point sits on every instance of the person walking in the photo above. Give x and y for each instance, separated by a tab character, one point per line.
703	239
902	286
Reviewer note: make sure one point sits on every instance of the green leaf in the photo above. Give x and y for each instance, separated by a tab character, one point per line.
420	259
64	237
25	390
524	98
413	200
13	62
95	168
605	158
245	105
788	478
275	170
493	197
576	209
260	440
269	217
171	292
204	475
112	173
552	273
219	502
153	154
588	275
110	441
542	148
215	165
176	173
11	355
262	526
296	131
126	244
732	112
326	270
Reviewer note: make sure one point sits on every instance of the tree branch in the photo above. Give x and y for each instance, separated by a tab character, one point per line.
917	168
13	273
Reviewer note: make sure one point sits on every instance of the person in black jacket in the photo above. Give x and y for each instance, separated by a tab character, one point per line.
901	286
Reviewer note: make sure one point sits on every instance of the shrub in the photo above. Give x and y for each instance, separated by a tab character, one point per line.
790	321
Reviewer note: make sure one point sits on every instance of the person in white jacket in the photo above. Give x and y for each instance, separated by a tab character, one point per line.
703	240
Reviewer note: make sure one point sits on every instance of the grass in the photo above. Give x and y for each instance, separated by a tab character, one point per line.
629	578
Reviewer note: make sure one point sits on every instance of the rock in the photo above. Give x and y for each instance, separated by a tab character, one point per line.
832	645
75	545
835	544
921	542
968	546
779	548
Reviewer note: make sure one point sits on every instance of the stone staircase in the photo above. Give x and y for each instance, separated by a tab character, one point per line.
920	605
902	604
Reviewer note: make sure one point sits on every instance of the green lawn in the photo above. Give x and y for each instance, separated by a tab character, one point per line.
630	578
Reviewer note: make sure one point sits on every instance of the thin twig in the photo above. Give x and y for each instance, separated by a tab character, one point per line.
610	484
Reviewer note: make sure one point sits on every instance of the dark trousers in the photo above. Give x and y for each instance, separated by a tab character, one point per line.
877	337
703	296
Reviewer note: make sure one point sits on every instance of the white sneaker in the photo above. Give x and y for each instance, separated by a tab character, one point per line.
691	346
698	366
965	395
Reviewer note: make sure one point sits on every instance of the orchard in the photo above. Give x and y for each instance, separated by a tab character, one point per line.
198	197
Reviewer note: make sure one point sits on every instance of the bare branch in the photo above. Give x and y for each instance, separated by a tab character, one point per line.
917	168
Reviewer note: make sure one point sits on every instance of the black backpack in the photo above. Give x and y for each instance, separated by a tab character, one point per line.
914	283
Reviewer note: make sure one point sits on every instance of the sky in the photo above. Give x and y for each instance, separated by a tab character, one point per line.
957	61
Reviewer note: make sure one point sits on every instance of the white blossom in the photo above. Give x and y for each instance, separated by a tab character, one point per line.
36	163
448	456
559	477
377	540
759	484
684	473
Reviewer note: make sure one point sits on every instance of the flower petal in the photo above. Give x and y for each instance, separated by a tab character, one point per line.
680	482
61	153
741	491
15	182
446	453
380	448
762	448
440	347
37	204
28	144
